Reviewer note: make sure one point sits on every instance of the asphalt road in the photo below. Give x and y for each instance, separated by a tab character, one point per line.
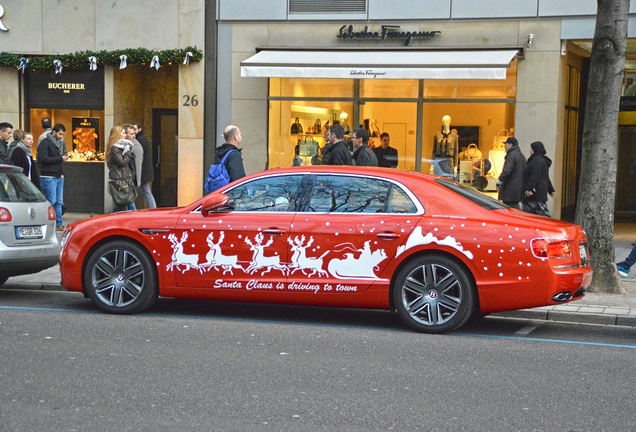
206	366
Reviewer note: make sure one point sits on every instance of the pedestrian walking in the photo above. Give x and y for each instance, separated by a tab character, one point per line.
147	167
118	158
536	181
6	130
234	161
510	181
339	154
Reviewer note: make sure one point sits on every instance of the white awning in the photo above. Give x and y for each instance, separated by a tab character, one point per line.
466	64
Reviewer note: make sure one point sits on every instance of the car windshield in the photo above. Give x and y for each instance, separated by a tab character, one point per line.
478	198
16	187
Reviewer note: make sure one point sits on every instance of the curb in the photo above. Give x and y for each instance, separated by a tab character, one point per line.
626	318
571	317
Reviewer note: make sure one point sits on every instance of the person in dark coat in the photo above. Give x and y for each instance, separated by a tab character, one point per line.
536	181
362	153
147	167
510	181
339	154
22	157
234	162
6	130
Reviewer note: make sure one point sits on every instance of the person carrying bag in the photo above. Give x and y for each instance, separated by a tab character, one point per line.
120	180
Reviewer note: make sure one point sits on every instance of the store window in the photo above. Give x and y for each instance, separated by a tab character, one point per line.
482	112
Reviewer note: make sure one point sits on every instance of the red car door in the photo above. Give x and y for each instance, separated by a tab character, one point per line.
347	235
244	251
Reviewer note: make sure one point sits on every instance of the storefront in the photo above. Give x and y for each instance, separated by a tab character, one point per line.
385	85
406	95
76	100
91	68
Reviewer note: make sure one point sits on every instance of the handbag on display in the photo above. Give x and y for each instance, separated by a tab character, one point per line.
472	152
317	126
499	141
296	127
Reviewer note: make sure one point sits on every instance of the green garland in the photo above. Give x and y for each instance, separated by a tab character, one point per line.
79	60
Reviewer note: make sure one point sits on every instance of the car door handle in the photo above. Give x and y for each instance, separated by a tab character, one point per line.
274	231
389	236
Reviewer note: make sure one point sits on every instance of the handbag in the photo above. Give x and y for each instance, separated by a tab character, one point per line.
122	191
472	152
499	140
296	127
317	126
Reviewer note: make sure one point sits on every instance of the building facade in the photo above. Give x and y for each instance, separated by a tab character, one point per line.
496	68
166	98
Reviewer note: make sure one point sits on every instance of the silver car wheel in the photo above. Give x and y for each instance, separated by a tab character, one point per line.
434	294
118	278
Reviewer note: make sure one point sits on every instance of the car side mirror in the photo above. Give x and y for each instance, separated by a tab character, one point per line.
215	203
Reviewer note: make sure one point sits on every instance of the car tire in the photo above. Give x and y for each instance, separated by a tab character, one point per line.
434	294
120	278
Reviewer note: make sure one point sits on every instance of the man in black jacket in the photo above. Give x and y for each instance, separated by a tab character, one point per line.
339	154
51	155
147	167
510	181
234	161
6	130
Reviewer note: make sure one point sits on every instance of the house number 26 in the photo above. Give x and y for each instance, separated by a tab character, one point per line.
190	100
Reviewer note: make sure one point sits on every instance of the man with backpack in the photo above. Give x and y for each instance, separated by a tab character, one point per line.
229	156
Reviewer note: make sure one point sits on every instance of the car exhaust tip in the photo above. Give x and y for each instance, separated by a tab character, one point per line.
562	296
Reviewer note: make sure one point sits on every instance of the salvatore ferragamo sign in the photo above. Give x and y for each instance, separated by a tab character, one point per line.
386	32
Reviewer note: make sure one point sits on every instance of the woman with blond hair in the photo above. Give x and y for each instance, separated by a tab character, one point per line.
118	154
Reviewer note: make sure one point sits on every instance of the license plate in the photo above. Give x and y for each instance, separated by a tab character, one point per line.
28	232
583	253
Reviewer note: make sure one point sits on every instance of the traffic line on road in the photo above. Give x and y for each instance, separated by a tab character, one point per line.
561	341
527	330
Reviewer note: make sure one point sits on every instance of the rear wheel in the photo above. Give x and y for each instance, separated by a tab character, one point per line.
434	294
120	278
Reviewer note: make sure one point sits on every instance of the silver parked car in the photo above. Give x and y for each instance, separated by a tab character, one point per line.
28	242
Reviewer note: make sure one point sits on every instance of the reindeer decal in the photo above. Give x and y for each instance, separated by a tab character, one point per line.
300	261
363	267
215	258
188	261
259	260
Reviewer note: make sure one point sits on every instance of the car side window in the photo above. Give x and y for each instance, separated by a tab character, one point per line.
399	202
269	194
350	194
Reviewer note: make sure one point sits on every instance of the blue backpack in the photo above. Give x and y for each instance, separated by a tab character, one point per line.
217	175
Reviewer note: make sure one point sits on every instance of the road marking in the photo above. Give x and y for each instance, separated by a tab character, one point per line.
526	330
569	342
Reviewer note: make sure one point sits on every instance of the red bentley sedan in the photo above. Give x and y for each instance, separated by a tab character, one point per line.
433	250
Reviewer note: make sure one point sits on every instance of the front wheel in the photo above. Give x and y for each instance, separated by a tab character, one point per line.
434	294
120	278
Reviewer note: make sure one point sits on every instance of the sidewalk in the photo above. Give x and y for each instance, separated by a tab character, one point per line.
608	309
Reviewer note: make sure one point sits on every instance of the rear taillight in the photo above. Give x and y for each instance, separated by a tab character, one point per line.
5	215
551	248
51	213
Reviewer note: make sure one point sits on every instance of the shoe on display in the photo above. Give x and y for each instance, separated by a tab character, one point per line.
622	270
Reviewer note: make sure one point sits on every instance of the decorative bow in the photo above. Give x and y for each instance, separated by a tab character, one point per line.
92	60
186	60
58	66
155	62
23	64
122	61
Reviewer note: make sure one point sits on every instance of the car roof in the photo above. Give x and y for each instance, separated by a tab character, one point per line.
348	169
